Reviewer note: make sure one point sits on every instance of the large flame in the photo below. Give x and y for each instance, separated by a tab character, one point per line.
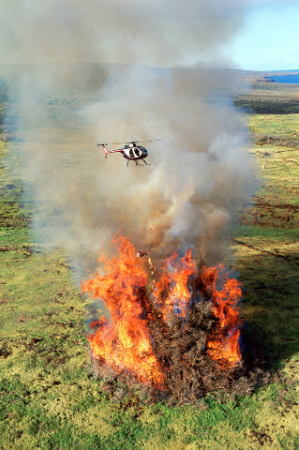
223	344
124	341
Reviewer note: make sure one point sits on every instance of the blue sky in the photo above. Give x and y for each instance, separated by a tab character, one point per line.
269	40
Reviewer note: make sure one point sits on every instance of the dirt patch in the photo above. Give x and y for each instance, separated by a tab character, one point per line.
268	139
271	206
6	248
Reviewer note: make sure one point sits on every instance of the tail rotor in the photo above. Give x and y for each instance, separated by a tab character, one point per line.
104	148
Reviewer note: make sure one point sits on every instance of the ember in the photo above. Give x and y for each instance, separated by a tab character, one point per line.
182	339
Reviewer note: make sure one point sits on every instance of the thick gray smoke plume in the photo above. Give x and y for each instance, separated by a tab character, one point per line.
201	175
152	32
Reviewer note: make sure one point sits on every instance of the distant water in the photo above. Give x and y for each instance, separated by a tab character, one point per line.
290	79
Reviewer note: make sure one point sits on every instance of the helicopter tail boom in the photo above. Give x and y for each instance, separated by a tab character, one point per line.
121	150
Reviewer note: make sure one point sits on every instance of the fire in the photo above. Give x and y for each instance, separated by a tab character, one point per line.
223	344
173	292
124	343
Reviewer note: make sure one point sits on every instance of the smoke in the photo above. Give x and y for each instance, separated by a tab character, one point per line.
191	195
152	32
202	174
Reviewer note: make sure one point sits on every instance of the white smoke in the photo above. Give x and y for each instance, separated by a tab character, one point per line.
201	175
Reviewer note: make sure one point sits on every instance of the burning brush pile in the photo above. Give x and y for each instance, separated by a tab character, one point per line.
175	332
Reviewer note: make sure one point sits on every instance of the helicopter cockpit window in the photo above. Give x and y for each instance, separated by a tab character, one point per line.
137	152
131	153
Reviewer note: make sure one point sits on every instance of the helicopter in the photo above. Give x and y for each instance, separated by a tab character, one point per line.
131	151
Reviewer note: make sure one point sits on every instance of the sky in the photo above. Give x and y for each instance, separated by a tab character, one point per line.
269	39
247	34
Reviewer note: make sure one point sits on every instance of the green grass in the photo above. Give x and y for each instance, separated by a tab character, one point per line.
277	125
49	398
266	243
278	234
269	98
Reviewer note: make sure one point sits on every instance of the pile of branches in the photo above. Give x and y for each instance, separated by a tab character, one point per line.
180	346
190	372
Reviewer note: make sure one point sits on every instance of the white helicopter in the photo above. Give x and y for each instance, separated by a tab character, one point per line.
131	151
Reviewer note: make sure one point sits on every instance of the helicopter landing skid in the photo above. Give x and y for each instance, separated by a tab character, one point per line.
141	165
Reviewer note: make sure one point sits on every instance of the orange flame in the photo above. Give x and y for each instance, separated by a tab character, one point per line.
124	342
172	292
223	344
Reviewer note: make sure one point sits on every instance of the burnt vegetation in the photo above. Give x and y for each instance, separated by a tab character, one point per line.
268	214
181	349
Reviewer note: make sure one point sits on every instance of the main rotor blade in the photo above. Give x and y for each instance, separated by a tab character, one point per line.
153	140
135	142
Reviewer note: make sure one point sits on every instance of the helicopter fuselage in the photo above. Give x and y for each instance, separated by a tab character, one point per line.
131	152
134	153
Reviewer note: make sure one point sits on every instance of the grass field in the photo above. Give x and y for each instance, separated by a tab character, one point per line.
51	400
269	98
